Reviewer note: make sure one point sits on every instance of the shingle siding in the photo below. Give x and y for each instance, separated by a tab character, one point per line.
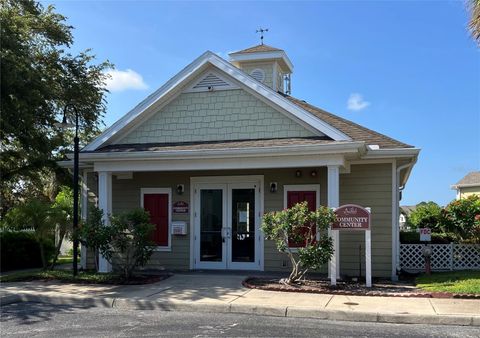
215	116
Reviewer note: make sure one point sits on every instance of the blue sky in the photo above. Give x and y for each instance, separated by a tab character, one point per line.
410	68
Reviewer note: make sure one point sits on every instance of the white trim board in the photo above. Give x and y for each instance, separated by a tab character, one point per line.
193	69
168	191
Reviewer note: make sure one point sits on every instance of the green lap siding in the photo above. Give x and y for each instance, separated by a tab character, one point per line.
366	185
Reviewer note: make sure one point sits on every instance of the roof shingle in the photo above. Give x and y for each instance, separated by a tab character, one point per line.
471	178
355	131
258	49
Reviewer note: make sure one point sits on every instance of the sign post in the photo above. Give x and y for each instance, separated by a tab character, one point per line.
352	217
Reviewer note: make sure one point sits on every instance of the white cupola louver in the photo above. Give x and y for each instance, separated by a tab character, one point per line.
258	74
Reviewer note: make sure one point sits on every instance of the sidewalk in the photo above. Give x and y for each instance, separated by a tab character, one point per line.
209	292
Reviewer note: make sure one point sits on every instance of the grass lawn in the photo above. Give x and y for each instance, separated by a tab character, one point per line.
451	281
64	276
65	260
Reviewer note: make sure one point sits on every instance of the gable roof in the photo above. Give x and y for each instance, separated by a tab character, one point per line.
471	179
207	59
355	131
258	49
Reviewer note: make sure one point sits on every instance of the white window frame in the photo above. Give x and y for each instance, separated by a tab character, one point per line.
302	187
168	191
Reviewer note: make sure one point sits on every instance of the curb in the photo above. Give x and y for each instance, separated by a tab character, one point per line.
276	311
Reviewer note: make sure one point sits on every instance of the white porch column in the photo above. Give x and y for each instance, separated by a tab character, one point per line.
84	215
105	204
333	194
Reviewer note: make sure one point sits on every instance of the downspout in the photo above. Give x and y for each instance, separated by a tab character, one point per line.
408	165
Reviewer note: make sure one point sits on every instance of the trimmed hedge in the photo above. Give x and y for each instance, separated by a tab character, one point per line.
413	237
20	250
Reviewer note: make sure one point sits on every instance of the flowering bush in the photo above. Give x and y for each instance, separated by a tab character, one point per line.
299	225
462	217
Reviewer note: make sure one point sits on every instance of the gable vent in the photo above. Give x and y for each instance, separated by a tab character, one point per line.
211	81
258	74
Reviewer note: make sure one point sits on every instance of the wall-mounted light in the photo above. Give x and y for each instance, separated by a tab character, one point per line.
273	187
298	173
180	189
313	173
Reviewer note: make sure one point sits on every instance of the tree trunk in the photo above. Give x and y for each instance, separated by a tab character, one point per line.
42	255
57	249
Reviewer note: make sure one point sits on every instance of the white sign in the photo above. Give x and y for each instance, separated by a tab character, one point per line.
425	235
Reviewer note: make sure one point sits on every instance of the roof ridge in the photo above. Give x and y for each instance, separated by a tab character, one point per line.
304	103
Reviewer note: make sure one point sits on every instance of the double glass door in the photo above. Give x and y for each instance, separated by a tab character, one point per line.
227	226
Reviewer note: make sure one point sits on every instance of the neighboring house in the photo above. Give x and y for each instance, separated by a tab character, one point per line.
405	212
469	185
223	142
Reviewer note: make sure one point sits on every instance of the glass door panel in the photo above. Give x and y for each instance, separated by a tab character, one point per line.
211	223
243	226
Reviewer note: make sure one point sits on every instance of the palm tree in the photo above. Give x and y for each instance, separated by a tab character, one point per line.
474	23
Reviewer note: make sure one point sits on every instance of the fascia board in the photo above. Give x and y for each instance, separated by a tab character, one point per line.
389	153
469	185
349	148
188	72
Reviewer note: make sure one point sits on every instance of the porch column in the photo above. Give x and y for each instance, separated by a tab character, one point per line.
105	204
333	194
84	215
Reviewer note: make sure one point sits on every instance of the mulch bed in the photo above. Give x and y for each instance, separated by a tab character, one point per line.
380	288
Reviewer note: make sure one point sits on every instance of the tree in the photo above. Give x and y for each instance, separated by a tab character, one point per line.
64	208
462	217
474	23
38	78
427	215
36	214
299	225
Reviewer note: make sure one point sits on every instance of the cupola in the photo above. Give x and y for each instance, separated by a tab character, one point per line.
266	64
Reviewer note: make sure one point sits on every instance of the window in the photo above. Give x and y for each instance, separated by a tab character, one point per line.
294	194
157	201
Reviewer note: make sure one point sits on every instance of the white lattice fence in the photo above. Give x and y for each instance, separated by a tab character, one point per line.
444	257
466	257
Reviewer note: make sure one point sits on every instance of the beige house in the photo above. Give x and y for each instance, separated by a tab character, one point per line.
469	185
221	143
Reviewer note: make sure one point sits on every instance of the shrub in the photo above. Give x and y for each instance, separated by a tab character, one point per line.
128	237
462	217
427	215
19	250
413	237
299	225
38	215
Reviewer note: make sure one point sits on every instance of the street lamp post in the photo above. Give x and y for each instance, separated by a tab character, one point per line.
64	125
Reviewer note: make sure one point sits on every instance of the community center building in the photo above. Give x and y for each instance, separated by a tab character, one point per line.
223	142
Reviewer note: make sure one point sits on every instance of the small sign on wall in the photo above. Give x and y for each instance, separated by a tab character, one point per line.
180	207
425	234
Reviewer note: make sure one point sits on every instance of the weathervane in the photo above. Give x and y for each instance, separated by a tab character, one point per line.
261	31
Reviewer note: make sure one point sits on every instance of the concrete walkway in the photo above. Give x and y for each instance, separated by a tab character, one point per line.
209	292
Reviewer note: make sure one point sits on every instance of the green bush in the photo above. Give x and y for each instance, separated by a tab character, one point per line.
427	215
413	237
20	250
463	218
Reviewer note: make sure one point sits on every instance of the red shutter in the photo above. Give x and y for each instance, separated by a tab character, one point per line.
294	197
157	206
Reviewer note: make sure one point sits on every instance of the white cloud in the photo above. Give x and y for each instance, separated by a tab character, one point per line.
120	80
356	102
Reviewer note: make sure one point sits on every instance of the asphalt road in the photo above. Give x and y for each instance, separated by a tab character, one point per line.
45	320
